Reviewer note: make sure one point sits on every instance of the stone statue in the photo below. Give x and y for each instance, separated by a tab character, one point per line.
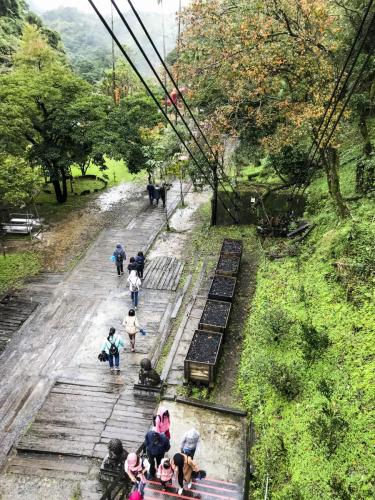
147	375
113	463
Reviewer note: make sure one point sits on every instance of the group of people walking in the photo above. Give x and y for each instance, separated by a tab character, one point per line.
111	346
135	268
156	193
152	463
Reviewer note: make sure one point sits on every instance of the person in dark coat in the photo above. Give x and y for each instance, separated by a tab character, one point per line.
162	194
156	445
140	260
151	192
119	256
157	194
132	266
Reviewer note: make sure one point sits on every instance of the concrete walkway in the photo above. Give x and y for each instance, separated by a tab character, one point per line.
51	364
60	406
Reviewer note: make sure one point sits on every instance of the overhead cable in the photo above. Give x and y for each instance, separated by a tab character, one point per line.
176	86
163	86
152	95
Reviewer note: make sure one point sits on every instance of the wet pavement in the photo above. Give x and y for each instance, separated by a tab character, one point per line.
69	405
222	448
59	345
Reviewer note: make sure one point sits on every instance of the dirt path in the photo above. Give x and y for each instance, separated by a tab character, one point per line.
225	391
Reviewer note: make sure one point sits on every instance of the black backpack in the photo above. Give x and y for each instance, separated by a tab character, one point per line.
119	257
113	350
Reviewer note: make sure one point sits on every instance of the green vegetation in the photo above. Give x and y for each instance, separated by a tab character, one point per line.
115	173
89	47
14	268
307	366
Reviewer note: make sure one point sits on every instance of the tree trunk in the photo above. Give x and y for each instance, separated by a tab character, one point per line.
330	159
367	145
64	187
364	174
58	193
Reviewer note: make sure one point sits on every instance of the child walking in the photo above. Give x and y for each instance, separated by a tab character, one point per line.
165	473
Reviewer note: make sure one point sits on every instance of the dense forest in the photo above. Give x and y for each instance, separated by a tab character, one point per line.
262	74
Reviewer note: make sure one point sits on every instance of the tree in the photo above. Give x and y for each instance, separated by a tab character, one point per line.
42	107
362	104
263	70
19	183
127	130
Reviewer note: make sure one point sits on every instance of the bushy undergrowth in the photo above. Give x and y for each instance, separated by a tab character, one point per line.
307	366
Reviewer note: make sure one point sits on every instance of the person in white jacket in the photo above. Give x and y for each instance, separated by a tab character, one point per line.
131	326
134	283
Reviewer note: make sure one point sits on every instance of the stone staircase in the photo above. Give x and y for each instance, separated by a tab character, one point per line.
206	489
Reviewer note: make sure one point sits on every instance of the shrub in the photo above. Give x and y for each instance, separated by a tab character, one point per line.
286	380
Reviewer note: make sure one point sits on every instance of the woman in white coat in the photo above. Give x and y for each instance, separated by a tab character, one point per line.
134	283
132	327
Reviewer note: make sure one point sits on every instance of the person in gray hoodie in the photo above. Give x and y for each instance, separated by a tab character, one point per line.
119	257
190	442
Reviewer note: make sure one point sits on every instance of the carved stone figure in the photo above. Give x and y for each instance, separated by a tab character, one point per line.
147	374
113	463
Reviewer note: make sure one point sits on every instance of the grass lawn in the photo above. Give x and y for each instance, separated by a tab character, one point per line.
16	267
117	172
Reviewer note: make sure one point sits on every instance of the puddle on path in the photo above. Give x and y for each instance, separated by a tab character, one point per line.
182	222
116	194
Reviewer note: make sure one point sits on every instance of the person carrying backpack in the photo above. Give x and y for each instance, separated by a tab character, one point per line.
162	422
131	326
140	260
111	347
119	256
184	466
156	445
136	468
134	283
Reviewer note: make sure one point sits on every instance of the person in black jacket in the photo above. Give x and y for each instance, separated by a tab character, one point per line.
156	445
162	194
119	256
140	260
151	192
132	266
157	194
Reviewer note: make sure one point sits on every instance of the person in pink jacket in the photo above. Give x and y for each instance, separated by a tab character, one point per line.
137	468
165	473
163	422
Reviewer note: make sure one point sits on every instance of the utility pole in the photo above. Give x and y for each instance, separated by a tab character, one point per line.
166	209
178	53
113	62
214	197
160	2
